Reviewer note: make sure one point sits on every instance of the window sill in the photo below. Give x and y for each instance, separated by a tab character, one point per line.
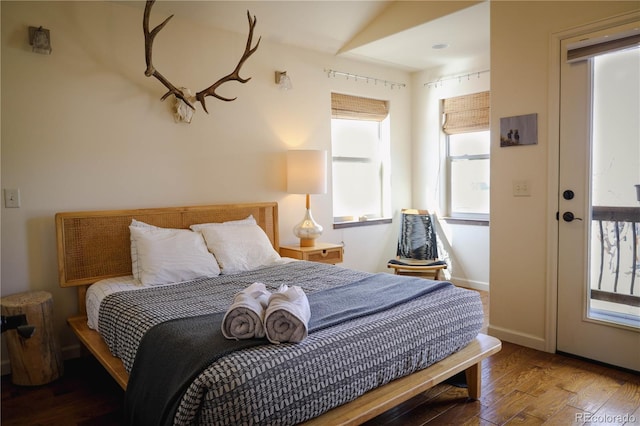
355	223
461	221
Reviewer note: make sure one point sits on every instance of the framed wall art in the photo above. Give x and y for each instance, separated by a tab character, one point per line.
519	130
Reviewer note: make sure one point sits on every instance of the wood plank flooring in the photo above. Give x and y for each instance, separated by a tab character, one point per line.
525	386
519	386
86	395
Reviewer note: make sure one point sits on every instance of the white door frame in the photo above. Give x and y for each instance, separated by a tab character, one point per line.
553	162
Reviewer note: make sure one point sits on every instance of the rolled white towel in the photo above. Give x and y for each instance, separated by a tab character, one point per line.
287	315
244	318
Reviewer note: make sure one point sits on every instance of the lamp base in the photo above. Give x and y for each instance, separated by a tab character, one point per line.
307	242
307	230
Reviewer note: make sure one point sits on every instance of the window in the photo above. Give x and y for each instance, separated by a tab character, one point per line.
468	165
466	123
360	145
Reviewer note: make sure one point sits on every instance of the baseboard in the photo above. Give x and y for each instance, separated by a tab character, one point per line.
476	285
68	352
72	351
522	339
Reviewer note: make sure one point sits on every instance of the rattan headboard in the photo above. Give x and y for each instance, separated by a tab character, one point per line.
94	245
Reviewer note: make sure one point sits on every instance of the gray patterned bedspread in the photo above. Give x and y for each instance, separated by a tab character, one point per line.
291	383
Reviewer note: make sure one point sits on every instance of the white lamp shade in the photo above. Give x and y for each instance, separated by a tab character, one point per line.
306	172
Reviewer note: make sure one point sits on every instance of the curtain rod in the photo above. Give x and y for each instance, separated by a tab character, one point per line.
457	77
348	75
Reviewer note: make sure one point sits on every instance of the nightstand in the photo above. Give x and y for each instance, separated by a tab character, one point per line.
321	252
34	353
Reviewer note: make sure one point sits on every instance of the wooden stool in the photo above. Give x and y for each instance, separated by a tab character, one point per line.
35	360
429	272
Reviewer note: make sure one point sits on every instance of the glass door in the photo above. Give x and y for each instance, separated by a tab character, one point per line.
598	220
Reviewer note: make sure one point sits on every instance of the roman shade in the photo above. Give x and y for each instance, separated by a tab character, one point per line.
358	108
581	52
468	113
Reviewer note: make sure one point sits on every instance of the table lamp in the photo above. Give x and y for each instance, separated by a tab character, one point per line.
307	174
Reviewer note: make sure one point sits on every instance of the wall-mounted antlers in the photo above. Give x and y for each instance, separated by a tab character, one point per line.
211	90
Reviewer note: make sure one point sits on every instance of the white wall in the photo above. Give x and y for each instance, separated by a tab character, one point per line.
84	129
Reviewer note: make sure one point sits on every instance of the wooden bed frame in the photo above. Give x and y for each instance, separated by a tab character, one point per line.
95	245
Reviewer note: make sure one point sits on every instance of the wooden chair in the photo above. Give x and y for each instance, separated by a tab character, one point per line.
417	252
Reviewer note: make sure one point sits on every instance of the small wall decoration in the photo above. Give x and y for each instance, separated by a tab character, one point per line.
519	130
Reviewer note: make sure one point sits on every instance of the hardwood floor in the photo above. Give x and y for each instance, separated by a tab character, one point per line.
525	386
86	395
519	386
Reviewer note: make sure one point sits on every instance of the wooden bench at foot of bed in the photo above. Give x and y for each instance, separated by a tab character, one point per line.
366	407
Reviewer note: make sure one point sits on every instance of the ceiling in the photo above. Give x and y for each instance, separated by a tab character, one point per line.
329	26
466	34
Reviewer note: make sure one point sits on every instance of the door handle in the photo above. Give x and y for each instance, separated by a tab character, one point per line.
569	217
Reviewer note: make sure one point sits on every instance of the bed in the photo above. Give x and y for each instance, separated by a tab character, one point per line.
95	247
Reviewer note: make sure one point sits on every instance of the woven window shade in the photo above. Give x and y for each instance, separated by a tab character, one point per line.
469	113
589	51
357	108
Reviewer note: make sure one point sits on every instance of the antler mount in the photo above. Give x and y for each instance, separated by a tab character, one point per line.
151	71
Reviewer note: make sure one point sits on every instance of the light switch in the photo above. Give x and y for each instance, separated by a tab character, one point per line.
521	188
12	198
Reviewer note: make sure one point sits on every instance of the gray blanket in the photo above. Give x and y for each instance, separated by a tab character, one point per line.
173	353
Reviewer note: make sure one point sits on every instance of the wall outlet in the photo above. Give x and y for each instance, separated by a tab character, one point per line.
12	198
521	188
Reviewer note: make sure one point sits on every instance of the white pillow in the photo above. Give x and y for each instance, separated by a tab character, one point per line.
171	255
134	247
239	247
249	220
